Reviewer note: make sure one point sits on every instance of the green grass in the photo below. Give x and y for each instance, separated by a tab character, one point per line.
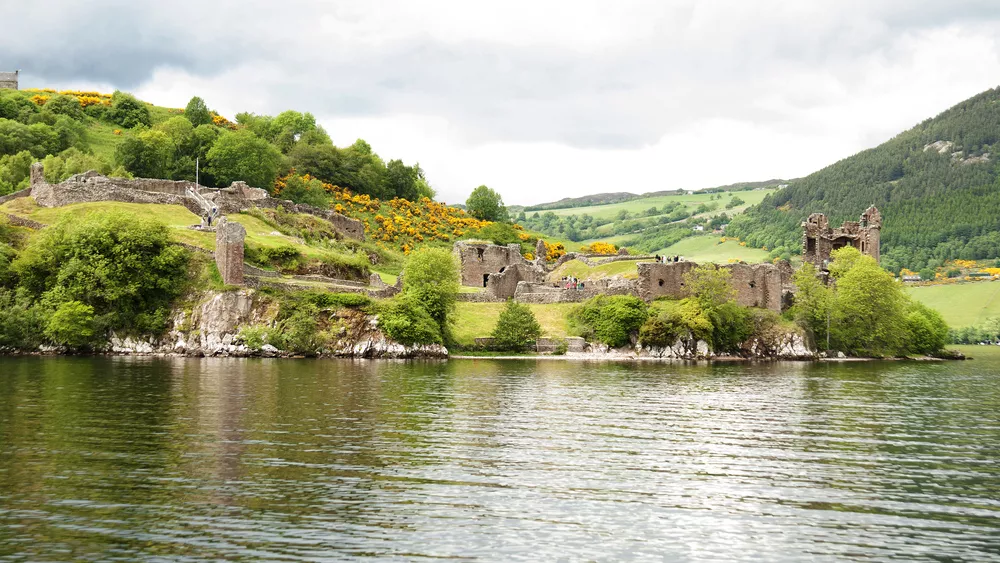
176	217
642	204
474	320
708	248
961	304
577	269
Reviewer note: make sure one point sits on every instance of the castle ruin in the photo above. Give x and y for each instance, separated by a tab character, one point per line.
8	80
819	240
229	242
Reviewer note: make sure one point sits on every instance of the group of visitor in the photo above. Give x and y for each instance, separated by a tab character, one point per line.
669	259
569	282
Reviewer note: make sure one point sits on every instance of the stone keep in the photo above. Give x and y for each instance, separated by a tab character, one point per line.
229	240
479	260
819	240
9	80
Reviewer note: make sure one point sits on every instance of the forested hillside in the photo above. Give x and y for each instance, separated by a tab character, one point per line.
937	186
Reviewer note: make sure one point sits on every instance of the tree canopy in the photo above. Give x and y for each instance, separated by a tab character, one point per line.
486	205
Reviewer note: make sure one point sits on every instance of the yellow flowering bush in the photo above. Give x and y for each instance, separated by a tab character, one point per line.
599	248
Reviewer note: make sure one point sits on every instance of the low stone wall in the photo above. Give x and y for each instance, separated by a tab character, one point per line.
92	186
15	195
22	222
479	297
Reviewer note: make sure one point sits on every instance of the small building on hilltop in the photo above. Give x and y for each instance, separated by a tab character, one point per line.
819	240
8	80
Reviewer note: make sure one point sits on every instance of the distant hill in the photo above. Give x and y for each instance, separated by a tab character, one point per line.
937	185
585	201
619	197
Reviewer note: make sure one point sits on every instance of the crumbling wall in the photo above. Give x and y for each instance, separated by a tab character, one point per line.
757	285
819	240
92	186
657	279
478	260
229	240
504	284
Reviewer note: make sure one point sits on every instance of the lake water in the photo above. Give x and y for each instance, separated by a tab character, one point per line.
204	459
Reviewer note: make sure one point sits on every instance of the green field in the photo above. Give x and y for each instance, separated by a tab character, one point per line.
708	248
474	320
642	204
961	304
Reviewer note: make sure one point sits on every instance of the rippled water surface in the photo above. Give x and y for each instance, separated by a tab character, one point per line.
187	459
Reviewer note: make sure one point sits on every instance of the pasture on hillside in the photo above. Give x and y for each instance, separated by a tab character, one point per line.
638	206
709	248
961	304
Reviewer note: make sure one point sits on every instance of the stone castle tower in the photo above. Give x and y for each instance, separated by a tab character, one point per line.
819	240
9	80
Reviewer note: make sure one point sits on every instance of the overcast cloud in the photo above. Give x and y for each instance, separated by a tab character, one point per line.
540	100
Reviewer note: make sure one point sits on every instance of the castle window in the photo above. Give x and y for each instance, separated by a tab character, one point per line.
752	285
661	283
810	244
486	278
480	251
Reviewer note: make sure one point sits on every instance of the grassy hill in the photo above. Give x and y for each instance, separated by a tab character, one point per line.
711	248
645	224
270	244
937	185
961	304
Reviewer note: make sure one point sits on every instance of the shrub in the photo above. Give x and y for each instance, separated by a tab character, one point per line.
254	336
123	266
732	325
500	233
516	327
431	278
685	322
927	329
72	325
611	319
65	105
127	111
22	325
307	191
406	321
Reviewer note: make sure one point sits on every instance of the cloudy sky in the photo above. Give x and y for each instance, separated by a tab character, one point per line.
540	100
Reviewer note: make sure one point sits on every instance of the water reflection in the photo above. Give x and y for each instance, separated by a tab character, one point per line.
142	458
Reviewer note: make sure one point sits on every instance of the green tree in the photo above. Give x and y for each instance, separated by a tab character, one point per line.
123	266
486	205
197	112
811	309
431	278
611	319
869	311
149	154
710	286
241	155
310	192
127	111
928	331
516	327
72	325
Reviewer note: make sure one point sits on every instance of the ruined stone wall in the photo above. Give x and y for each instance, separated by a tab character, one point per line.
478	261
819	240
15	195
91	186
757	285
504	284
229	240
657	279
